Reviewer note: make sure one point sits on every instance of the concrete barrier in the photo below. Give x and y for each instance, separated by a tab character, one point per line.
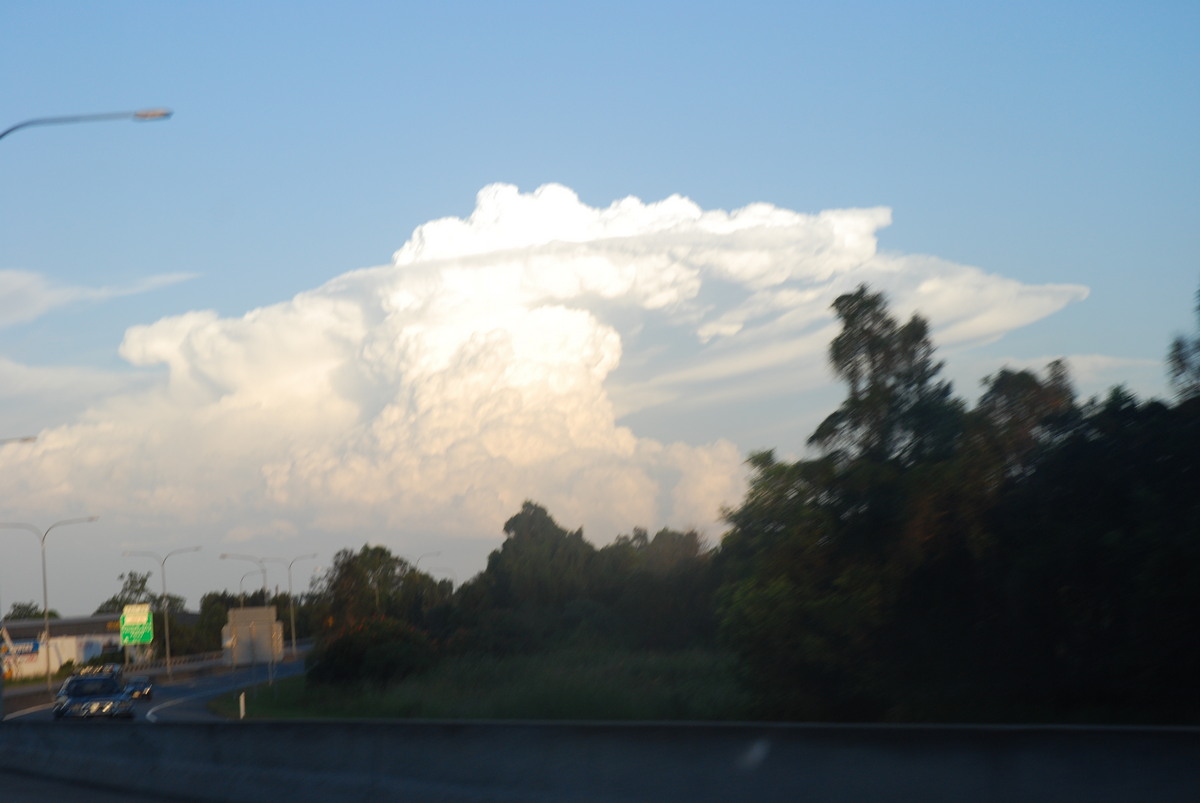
501	761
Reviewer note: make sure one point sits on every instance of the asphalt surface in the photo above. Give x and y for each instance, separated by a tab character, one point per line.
21	788
184	700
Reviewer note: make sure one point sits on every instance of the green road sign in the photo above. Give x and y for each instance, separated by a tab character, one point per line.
137	625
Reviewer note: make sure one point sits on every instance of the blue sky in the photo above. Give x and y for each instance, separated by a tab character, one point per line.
1037	164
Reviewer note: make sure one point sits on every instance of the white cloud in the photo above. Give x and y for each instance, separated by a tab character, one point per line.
488	364
26	296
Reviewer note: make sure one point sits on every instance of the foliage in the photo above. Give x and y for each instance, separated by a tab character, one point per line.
374	651
540	563
374	583
1183	362
214	614
135	590
1027	559
547	586
575	683
896	409
28	610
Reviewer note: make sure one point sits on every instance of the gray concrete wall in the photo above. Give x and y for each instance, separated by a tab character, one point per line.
480	761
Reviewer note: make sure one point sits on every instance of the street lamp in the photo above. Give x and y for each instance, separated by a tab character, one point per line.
420	557
242	587
291	599
141	115
41	534
162	562
261	566
23	439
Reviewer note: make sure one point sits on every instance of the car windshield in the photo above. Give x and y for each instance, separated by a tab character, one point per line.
89	687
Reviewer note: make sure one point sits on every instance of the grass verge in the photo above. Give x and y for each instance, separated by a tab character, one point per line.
569	683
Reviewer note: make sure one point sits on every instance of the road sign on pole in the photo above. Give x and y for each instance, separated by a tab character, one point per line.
137	625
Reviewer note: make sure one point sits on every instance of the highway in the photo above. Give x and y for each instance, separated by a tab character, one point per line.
175	749
16	787
183	700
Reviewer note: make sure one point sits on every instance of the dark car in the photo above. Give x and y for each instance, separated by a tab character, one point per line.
140	686
85	696
100	670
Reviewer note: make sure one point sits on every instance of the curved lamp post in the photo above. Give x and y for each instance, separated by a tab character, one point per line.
41	535
262	567
162	562
291	599
242	586
416	566
140	115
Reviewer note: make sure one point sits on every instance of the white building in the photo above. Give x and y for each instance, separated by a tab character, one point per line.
78	639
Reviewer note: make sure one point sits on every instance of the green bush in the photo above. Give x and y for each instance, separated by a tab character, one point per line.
378	652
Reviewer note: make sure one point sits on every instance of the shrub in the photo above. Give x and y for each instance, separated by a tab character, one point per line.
377	651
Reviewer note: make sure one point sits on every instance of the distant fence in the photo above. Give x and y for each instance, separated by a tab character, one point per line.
494	761
159	665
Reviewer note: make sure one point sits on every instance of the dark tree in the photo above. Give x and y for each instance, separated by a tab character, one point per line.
1183	362
28	610
896	408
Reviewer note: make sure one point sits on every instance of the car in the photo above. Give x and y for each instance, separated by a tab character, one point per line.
93	695
100	670
140	686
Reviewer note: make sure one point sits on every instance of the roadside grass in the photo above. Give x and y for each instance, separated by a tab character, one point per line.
567	683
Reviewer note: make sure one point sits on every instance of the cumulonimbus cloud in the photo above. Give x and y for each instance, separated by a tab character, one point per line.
490	363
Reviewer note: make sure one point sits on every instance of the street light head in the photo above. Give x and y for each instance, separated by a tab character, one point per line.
152	114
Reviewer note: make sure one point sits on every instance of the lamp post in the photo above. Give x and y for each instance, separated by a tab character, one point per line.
141	115
292	599
242	586
262	567
426	555
270	642
162	562
23	439
41	535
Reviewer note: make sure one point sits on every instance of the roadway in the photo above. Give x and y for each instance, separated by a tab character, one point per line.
182	700
17	787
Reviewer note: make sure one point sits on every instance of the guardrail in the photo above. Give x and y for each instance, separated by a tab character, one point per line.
159	665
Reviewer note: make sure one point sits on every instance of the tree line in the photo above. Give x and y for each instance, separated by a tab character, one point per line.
1031	557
